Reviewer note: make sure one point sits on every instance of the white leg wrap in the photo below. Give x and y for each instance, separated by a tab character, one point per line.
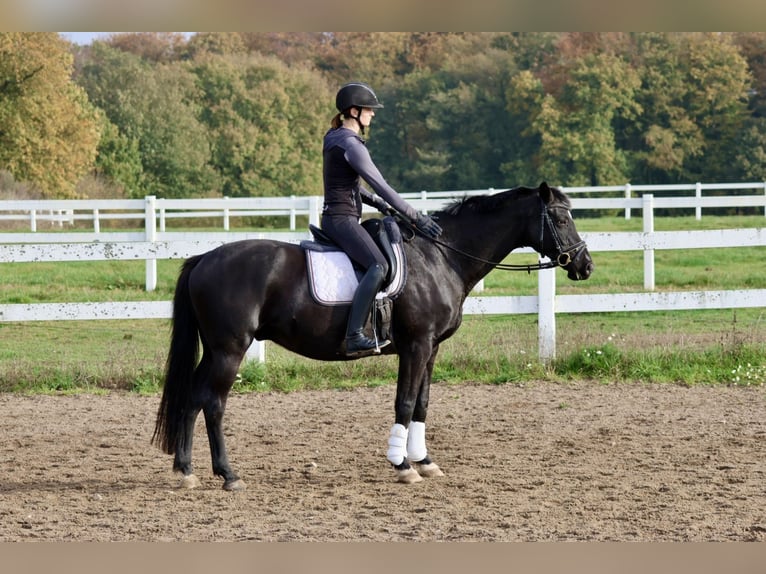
416	441
397	444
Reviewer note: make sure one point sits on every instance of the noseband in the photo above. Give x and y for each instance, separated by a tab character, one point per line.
565	255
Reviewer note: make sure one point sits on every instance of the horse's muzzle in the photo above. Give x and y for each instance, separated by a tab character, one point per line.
580	267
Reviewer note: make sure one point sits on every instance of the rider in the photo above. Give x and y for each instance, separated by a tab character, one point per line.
346	160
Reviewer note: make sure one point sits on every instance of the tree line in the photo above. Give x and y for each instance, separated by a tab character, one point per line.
243	113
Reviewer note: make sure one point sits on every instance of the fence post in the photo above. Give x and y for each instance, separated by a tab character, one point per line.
546	314
648	215
150	218
314	209
226	222
256	351
698	195
292	213
627	196
33	220
96	222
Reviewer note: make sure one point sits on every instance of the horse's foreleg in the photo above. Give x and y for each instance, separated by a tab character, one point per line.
407	438
417	451
397	455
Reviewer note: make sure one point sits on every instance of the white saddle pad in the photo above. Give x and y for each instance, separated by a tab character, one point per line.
332	279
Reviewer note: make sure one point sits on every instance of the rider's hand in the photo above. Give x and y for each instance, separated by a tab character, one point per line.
427	226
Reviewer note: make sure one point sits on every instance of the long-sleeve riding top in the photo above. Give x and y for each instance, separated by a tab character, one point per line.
346	161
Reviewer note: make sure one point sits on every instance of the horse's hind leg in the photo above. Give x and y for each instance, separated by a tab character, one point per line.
183	452
221	377
183	457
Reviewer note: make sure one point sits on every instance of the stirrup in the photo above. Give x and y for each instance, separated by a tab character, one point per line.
357	344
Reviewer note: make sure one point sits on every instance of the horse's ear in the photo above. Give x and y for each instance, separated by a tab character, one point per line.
545	193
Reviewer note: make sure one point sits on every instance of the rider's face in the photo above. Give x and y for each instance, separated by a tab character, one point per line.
365	116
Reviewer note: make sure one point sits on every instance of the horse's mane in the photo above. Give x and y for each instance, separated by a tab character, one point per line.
490	203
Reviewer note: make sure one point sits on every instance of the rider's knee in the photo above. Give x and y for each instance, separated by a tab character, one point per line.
379	269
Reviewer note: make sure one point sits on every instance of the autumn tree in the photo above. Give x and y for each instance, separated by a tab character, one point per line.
156	110
752	46
159	47
577	130
750	152
654	108
445	125
119	161
266	121
292	48
243	113
750	144
718	81
221	43
373	57
48	129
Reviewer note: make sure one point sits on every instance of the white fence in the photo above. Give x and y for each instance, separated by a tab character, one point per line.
696	201
153	244
160	211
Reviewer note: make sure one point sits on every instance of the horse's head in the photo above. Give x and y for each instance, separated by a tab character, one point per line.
558	238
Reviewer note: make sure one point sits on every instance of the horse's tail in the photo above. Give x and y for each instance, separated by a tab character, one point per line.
181	362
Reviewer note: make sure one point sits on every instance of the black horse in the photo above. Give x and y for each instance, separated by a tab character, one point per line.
258	289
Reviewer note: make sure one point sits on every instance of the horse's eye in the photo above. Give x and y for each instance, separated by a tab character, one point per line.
563	220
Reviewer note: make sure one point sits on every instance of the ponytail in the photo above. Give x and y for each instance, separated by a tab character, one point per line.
337	121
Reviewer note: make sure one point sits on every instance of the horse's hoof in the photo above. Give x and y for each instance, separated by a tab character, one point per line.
408	476
430	470
234	485
189	481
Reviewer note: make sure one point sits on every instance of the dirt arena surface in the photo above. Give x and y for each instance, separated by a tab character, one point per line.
533	462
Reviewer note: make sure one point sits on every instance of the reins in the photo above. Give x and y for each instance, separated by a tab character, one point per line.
564	257
500	265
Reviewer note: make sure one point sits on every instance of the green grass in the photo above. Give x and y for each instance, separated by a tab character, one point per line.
687	347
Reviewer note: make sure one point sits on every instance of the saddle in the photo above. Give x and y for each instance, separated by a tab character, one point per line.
333	277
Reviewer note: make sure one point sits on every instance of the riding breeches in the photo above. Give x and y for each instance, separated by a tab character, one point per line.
348	233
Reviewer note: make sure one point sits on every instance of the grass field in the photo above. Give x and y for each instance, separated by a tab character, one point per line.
690	347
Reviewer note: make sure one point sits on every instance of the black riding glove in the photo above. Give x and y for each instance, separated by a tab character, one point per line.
427	226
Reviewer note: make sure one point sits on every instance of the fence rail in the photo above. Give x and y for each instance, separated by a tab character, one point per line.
59	212
153	244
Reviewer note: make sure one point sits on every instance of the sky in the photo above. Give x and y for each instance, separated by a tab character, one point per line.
84	38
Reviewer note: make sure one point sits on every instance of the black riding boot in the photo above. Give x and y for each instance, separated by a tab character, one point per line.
356	342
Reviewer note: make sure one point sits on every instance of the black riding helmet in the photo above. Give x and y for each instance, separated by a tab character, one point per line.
356	95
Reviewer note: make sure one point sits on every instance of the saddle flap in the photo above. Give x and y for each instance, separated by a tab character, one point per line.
385	232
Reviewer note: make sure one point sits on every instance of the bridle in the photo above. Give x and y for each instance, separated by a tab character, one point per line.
565	254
